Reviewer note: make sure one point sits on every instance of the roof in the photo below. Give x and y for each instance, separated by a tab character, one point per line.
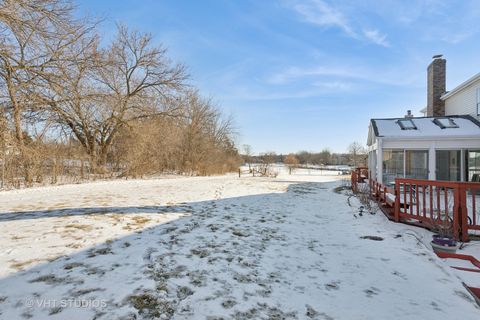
426	127
461	86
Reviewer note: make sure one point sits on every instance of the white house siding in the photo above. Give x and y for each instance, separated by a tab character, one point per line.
464	101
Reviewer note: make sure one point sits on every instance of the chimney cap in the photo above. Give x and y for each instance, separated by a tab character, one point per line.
437	56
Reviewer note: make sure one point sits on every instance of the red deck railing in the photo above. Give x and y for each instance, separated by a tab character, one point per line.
382	193
444	206
359	175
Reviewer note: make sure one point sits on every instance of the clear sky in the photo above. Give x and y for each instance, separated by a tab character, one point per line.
307	74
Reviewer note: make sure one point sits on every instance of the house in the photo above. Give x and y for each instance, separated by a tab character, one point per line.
464	99
442	145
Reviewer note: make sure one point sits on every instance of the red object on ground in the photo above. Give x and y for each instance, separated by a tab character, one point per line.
466	269
475	292
472	259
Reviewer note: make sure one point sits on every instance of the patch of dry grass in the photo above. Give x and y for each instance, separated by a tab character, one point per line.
17	237
137	222
83	227
20	265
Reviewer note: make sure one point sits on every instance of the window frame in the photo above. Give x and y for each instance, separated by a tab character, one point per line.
400	122
394	166
410	162
451	123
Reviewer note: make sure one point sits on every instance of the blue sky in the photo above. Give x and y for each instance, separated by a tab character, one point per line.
307	74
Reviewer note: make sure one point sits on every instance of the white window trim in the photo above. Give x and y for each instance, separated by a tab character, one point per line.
478	101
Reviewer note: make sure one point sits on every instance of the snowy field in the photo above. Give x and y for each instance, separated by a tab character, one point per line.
216	248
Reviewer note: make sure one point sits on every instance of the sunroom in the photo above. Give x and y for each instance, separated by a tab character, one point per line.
435	148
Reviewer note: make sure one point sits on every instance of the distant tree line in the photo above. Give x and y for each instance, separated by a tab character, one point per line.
74	105
355	156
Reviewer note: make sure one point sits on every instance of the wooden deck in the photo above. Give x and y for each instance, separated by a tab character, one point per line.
447	205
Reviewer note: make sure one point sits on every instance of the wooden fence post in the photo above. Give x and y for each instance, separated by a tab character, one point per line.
462	223
397	201
457	212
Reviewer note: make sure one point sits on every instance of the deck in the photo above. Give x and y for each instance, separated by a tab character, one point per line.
442	206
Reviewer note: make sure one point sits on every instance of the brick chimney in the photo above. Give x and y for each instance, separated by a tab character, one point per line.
436	86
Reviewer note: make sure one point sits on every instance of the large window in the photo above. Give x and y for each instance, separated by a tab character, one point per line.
401	163
474	165
392	165
416	164
448	163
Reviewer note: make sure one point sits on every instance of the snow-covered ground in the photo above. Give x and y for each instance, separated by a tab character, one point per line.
216	248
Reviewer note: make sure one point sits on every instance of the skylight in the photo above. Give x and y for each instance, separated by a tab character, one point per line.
445	123
407	124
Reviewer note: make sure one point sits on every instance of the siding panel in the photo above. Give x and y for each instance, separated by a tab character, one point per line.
464	102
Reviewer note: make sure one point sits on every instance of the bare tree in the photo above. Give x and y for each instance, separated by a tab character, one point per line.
357	153
148	146
247	155
69	102
265	167
139	80
208	137
34	34
110	88
292	162
200	142
325	157
3	145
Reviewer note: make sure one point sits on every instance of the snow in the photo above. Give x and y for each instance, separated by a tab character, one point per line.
426	128
216	247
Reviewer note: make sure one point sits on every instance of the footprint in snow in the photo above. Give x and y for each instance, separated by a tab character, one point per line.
334	285
184	292
372	292
400	275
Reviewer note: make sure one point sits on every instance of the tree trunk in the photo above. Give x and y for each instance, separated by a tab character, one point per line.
17	120
82	170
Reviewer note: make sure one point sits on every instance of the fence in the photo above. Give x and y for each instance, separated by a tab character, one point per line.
50	171
359	175
258	171
443	206
449	206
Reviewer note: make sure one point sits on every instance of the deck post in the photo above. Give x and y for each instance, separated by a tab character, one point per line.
457	213
463	216
397	201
